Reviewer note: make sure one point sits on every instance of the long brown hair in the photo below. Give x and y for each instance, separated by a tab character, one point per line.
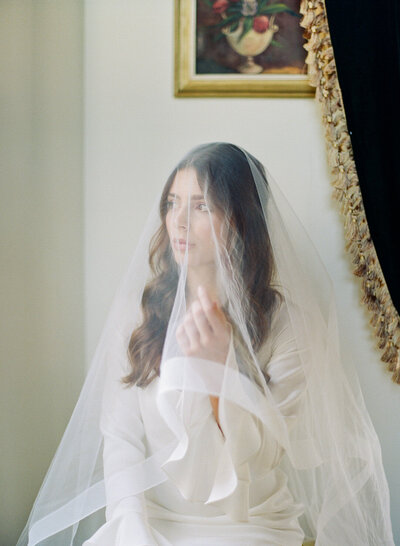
231	189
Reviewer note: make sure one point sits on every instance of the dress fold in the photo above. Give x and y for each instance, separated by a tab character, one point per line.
217	483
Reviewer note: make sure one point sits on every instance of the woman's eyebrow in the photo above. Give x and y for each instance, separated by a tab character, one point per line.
194	197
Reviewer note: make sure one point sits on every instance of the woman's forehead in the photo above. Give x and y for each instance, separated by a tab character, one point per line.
185	184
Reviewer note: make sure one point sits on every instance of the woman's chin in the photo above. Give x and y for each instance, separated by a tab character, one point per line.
181	256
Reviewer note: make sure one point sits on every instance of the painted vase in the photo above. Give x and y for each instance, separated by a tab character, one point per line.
251	44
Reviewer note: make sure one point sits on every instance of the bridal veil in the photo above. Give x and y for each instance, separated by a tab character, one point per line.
264	261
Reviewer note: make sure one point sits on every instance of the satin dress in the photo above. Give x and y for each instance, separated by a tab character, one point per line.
223	485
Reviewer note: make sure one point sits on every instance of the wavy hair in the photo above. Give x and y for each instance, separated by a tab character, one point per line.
231	189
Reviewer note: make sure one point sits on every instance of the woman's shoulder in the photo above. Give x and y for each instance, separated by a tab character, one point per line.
281	327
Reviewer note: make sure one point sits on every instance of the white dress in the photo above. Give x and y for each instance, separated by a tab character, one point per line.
237	494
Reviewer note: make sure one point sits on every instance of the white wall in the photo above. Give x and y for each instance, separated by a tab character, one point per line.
41	243
135	132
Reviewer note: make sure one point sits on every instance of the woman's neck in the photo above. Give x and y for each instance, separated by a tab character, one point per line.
201	277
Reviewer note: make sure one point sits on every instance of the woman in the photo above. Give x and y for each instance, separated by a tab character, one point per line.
224	408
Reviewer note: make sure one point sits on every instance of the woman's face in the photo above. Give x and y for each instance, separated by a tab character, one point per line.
190	222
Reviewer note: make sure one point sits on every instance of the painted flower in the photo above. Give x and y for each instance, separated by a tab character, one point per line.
261	23
249	7
247	15
220	6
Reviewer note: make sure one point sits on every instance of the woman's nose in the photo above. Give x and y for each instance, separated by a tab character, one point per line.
181	219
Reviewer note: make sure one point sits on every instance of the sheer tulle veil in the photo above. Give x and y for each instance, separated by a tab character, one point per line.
263	261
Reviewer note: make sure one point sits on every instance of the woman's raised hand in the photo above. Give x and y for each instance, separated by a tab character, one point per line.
205	331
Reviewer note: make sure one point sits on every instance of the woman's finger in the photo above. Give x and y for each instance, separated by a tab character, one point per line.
201	322
183	340
214	315
191	331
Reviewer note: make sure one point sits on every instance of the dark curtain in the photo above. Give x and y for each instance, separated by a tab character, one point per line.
366	43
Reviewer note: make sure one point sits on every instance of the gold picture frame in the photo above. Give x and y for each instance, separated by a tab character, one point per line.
190	84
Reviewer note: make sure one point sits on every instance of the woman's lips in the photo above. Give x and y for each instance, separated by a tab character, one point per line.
182	244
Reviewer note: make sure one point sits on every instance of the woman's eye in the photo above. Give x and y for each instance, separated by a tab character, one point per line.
171	204
203	207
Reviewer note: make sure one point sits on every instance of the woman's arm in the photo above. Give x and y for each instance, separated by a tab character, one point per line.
285	366
123	452
123	434
205	333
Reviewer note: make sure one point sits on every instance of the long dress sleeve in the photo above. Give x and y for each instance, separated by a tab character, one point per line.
285	367
123	432
251	424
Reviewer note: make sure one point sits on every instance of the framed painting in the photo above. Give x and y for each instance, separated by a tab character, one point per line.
239	48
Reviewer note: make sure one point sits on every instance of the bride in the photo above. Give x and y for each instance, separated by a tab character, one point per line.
217	410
